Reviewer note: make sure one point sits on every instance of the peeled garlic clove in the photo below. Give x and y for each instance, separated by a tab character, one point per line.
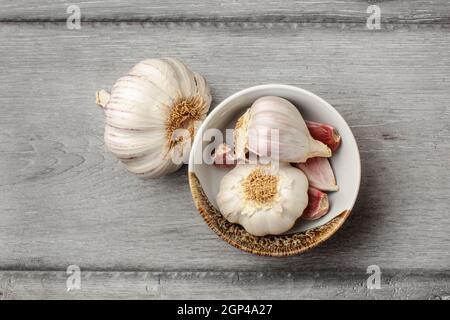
152	114
324	133
273	127
319	173
224	157
262	198
318	205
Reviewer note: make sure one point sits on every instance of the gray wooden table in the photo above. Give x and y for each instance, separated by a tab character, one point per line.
65	201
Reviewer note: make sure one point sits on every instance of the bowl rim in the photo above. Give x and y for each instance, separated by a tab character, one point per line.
324	231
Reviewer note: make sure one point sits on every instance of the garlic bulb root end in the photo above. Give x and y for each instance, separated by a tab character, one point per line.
183	115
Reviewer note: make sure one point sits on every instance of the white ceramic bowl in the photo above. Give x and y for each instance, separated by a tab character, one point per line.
204	178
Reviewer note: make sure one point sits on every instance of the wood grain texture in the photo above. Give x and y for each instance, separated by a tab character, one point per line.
411	11
64	200
224	285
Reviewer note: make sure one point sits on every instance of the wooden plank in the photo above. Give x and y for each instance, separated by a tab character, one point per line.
213	10
223	285
64	200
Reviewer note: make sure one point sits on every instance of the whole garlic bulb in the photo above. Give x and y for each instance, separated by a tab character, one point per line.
263	199
273	127
145	109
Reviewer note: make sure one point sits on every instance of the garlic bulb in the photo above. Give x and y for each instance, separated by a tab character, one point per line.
273	127
263	199
146	111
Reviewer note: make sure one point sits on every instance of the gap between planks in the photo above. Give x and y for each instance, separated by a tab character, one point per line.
241	25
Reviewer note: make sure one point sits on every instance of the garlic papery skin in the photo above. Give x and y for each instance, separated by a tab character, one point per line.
264	199
274	127
148	109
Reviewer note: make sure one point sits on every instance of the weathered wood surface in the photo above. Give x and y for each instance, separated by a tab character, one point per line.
64	200
223	285
414	11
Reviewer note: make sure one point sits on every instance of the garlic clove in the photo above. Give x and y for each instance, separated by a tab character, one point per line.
324	133
318	205
130	104
274	127
159	73
202	88
319	173
146	109
224	157
186	78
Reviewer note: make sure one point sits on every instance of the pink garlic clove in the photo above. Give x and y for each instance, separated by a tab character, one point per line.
324	133
224	156
318	205
319	173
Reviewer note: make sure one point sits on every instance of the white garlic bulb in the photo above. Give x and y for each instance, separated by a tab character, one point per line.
145	111
273	127
263	199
